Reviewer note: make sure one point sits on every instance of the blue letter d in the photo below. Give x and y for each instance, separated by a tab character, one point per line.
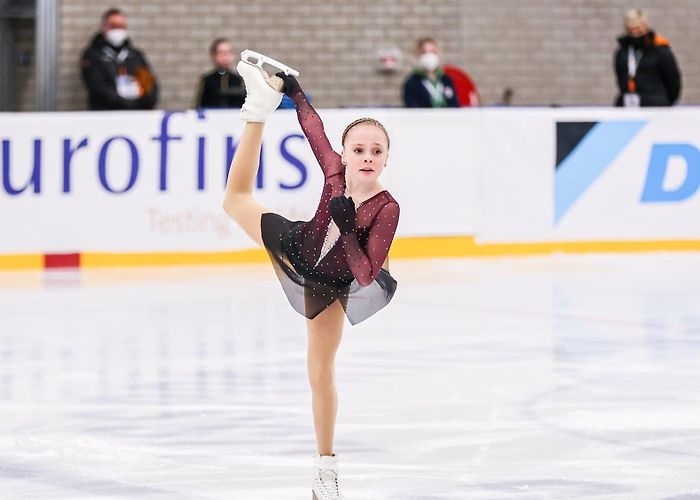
658	164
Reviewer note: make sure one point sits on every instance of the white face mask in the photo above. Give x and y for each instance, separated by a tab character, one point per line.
116	37
429	61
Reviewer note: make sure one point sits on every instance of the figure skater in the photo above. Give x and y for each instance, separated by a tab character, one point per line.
336	263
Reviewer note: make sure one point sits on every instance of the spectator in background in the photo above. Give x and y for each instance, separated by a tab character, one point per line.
507	97
222	87
647	73
428	86
116	74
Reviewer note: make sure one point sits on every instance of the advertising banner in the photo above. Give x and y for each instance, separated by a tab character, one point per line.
154	181
591	175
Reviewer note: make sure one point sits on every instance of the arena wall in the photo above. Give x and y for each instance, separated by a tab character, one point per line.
118	188
548	51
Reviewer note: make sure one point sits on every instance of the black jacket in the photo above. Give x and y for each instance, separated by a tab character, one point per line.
101	64
220	89
416	95
658	80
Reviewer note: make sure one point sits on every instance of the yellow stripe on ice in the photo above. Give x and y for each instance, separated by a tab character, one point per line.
21	262
402	248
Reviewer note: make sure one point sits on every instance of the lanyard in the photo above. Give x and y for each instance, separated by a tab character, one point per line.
633	58
436	91
122	55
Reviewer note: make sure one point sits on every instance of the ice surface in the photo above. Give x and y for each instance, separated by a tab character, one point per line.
524	378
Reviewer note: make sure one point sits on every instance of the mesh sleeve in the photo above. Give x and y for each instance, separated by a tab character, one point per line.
366	264
312	126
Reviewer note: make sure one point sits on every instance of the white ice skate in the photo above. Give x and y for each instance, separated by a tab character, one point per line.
324	483
258	59
262	91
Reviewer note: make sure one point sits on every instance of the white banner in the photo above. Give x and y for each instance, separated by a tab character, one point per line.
154	181
591	174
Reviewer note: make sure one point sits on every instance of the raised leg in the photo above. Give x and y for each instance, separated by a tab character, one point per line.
239	202
261	100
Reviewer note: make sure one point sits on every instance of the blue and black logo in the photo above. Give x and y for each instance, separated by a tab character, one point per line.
584	151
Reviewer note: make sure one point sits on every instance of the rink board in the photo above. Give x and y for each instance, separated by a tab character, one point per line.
145	188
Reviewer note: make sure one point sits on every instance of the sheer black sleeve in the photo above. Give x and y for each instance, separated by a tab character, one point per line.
365	265
312	126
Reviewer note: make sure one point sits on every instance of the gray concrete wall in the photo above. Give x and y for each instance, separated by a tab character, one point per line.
24	81
548	51
560	51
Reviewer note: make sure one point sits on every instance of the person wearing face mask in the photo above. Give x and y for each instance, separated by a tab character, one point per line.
428	86
116	74
647	72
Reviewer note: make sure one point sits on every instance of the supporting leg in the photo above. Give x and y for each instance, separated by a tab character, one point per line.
324	332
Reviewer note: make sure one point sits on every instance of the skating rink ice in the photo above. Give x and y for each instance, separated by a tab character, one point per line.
550	377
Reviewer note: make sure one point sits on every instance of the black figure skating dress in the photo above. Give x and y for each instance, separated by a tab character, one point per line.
314	263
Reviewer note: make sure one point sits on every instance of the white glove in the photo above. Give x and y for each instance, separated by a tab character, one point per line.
261	98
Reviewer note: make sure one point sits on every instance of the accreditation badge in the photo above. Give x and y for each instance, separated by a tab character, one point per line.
631	100
128	87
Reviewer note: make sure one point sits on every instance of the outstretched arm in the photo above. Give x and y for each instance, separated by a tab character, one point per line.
365	264
312	126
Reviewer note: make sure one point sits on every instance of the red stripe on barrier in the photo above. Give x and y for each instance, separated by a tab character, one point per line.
53	261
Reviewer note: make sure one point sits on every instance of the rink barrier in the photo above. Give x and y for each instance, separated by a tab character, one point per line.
148	191
403	248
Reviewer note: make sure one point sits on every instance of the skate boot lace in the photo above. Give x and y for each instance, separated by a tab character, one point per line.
329	482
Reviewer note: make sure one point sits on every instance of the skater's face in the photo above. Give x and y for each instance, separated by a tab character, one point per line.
365	152
223	56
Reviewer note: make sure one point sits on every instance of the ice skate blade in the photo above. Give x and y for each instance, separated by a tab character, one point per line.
273	81
261	59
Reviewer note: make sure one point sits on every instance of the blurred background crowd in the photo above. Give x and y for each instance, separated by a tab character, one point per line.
77	55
